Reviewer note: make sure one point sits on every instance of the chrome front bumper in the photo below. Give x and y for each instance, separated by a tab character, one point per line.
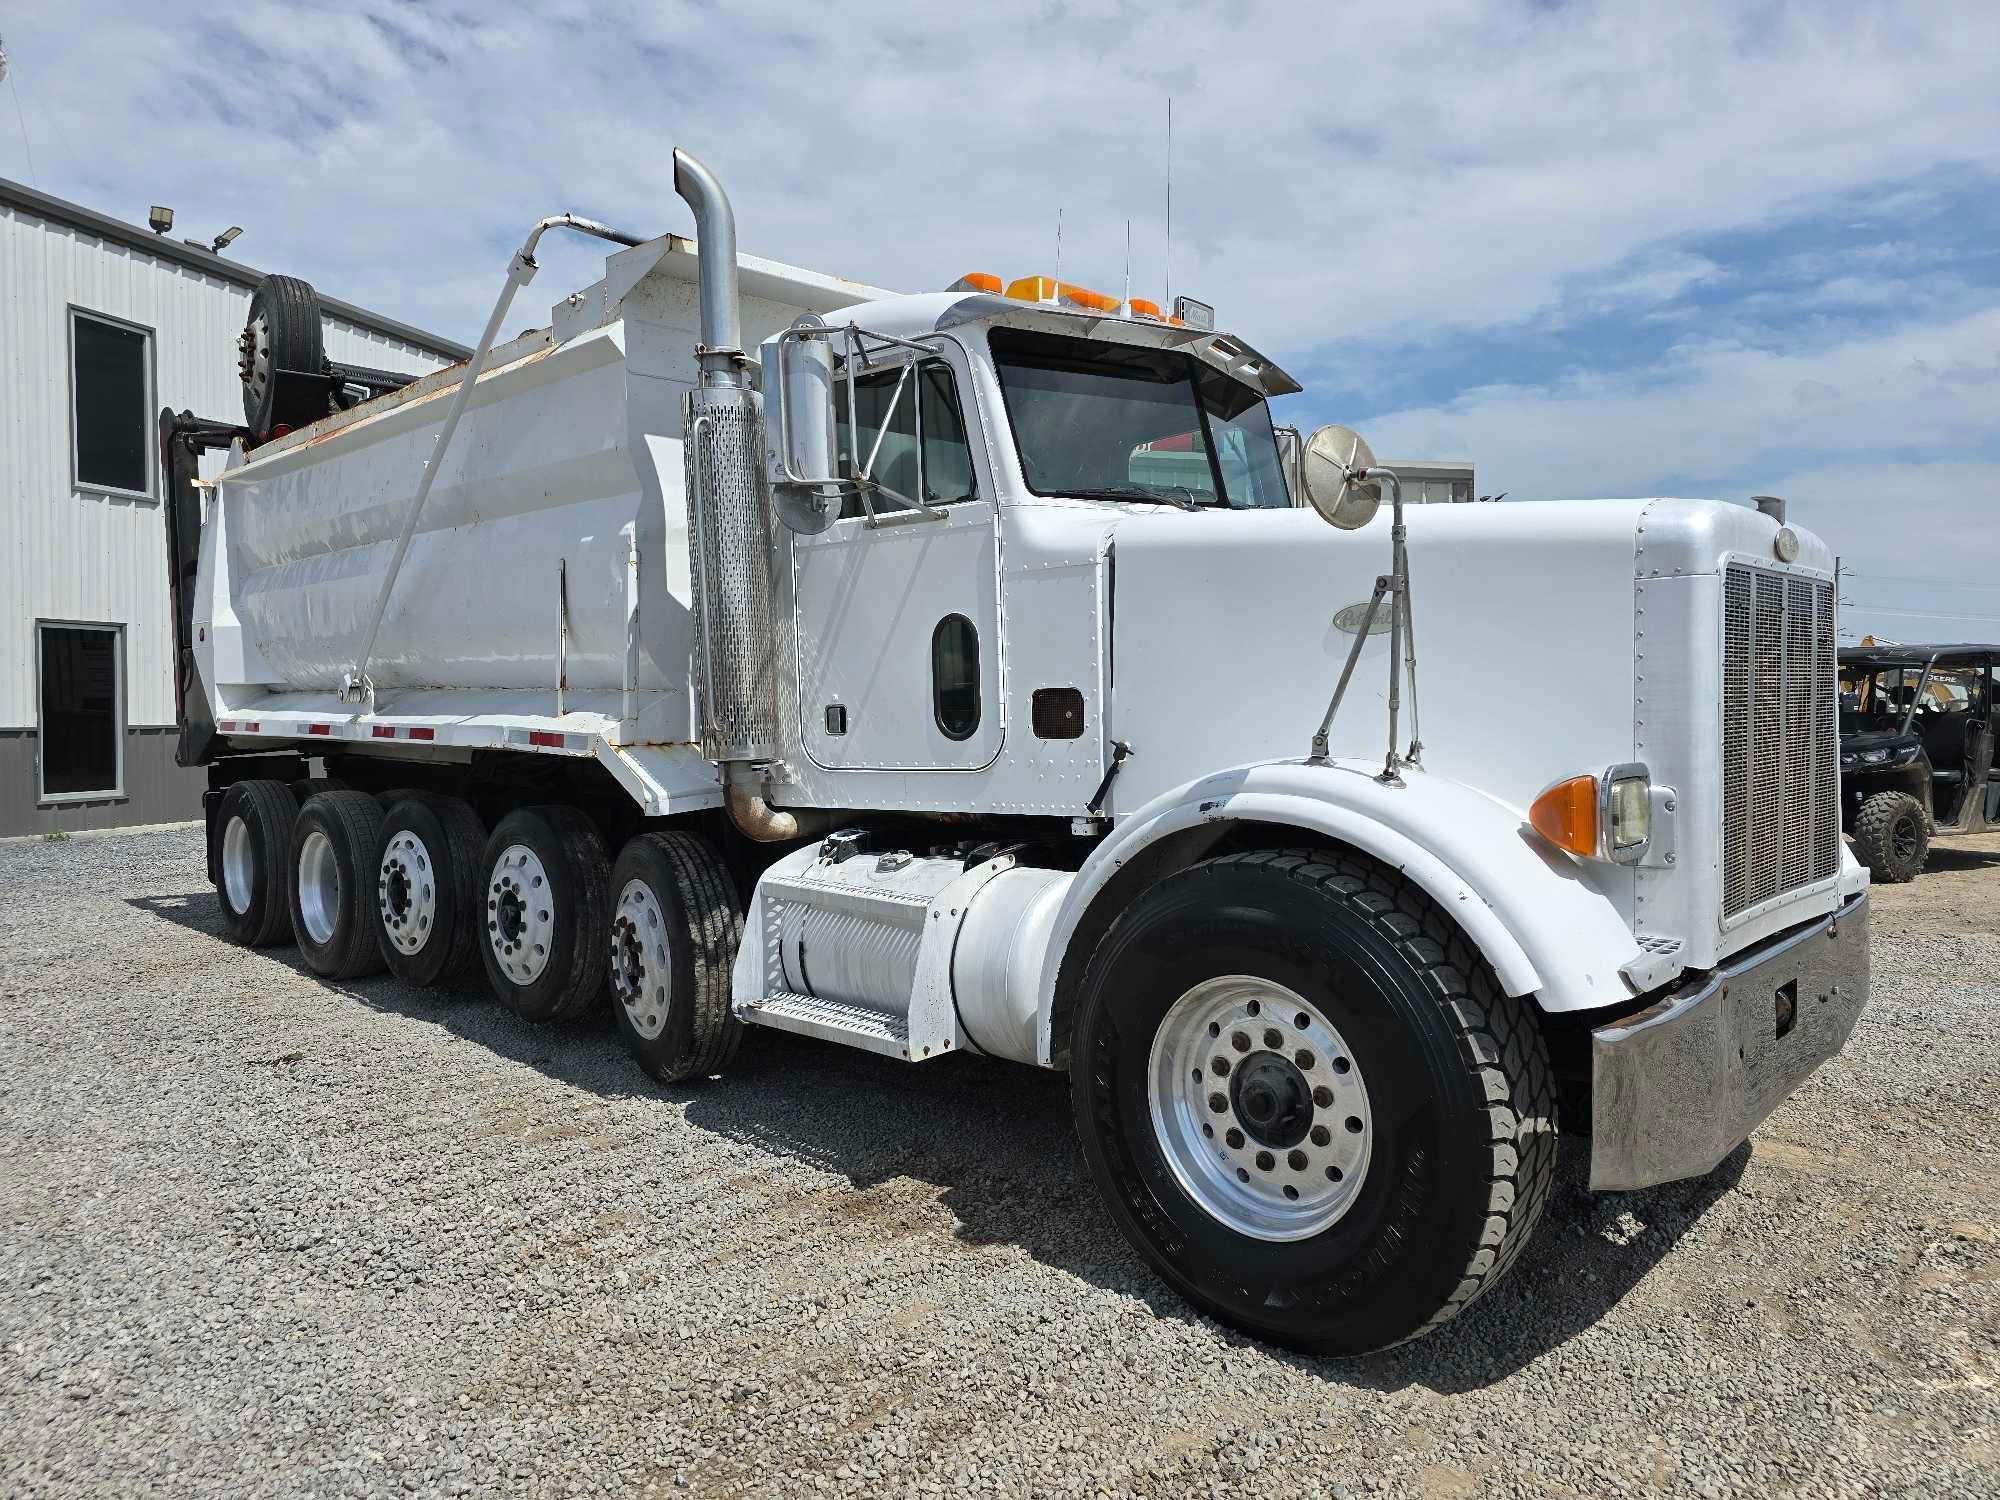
1675	1088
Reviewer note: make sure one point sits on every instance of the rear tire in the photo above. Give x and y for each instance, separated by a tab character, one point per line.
336	851
542	909
427	914
1307	1102
254	853
1892	837
282	332
675	928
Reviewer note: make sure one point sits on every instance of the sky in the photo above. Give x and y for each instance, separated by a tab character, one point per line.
1598	249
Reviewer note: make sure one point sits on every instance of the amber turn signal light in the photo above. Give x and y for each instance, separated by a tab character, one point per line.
1566	815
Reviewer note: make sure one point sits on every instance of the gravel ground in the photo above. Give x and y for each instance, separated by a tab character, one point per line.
265	1235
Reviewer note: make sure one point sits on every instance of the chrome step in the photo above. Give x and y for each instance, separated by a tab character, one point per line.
833	1021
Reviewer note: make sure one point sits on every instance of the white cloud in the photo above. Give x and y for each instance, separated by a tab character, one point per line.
1352	184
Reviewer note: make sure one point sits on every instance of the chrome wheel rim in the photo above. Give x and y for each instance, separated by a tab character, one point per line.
239	865
520	914
319	886
1259	1108
407	892
641	970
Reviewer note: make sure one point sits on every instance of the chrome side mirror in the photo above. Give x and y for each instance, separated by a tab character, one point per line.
1330	469
799	428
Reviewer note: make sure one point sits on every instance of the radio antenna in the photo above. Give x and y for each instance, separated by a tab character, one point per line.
1170	202
1128	265
1058	276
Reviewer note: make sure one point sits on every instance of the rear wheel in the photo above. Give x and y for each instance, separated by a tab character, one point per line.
1892	836
675	928
427	888
253	854
1306	1101
336	848
542	905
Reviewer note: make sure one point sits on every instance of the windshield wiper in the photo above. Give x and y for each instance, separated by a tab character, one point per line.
1137	492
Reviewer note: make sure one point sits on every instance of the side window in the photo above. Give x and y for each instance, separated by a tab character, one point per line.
955	676
110	378
947	458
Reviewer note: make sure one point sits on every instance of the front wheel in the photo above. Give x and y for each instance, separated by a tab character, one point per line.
1892	837
1307	1102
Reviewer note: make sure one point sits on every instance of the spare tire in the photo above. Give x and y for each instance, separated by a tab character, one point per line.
281	334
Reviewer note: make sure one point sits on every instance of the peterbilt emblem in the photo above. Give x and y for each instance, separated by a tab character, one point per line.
1350	618
1786	544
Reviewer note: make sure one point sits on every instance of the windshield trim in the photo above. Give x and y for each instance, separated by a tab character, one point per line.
1194	367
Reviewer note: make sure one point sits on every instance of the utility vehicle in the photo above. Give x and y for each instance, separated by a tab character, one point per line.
950	672
1916	750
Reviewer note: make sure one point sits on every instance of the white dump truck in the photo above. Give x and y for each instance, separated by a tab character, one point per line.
751	648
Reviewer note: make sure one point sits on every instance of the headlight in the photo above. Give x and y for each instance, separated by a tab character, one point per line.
1607	816
1873	757
1628	805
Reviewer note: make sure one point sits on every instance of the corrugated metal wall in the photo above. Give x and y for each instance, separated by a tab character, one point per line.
70	554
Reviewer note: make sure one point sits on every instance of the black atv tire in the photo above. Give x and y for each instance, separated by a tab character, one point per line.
286	310
1892	837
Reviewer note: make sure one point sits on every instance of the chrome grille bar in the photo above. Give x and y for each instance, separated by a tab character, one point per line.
1780	766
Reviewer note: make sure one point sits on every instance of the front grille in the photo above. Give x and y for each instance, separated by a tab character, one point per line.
1780	762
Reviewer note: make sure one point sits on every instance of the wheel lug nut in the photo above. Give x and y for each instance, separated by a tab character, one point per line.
1305	1060
1321	1135
1265	1161
1218	1102
1240	1042
1235	1139
1274	1038
1323	1096
1296	1161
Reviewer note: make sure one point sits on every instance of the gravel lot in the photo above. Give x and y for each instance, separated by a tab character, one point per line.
264	1235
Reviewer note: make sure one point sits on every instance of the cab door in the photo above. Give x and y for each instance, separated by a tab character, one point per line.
896	615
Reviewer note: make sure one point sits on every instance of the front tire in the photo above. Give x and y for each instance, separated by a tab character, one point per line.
675	928
542	907
1379	1139
1892	837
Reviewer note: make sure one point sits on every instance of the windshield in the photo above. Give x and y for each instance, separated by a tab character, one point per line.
1111	421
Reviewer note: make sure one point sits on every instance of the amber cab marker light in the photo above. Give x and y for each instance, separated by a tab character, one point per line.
975	281
1566	815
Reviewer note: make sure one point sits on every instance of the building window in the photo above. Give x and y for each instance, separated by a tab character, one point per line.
81	731
111	403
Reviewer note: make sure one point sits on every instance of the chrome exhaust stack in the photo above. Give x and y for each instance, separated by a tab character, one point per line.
715	248
730	552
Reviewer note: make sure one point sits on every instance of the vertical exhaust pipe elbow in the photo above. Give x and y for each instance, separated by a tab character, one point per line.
757	819
715	249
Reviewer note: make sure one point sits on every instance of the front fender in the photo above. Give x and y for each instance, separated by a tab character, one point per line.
1550	925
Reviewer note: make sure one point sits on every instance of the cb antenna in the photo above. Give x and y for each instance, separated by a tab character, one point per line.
1170	203
1058	276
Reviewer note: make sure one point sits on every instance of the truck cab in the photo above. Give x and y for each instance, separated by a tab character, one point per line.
952	672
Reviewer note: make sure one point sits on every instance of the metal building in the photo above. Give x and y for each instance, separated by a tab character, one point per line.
102	323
